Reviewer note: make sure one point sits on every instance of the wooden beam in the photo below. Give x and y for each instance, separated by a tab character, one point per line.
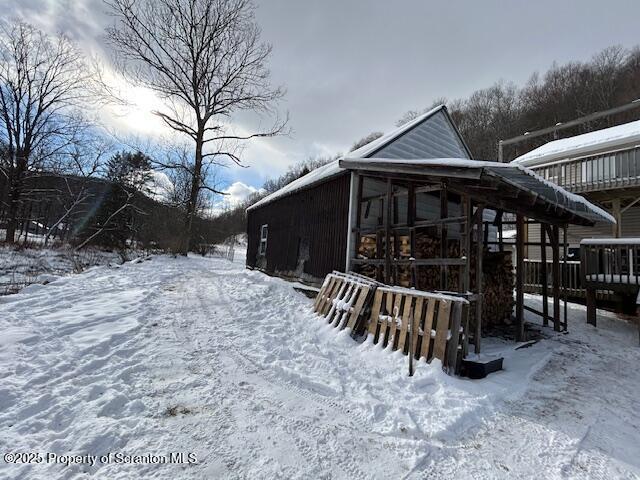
498	222
520	279
591	306
428	188
565	278
468	231
358	237
479	289
387	233
555	274
543	268
411	217
466	274
397	167
444	213
533	310
432	262
440	221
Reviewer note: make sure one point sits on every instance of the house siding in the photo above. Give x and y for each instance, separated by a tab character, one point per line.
576	233
434	138
307	232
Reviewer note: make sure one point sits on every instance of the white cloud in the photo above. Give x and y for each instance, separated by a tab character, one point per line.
159	186
237	192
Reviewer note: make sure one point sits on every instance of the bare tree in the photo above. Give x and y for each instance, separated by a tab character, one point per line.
41	80
366	140
413	114
204	58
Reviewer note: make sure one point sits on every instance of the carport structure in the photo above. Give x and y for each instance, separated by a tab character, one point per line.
474	201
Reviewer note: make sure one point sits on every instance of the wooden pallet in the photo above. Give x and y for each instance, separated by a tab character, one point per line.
400	318
418	323
342	299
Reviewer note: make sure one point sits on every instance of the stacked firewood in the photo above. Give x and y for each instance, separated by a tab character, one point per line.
497	273
498	278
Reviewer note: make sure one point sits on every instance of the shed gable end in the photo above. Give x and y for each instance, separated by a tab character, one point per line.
436	137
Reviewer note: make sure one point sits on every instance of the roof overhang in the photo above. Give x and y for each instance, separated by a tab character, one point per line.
502	186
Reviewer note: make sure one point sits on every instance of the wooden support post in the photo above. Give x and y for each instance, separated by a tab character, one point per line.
444	213
359	181
543	274
387	233
479	255
565	277
411	218
500	236
466	246
591	306
519	278
466	273
485	234
379	255
526	239
555	273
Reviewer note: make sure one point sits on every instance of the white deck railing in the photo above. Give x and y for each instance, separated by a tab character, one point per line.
599	172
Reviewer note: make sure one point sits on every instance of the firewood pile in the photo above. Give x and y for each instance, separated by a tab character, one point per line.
498	278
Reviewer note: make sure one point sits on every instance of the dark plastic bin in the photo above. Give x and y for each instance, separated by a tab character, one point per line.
479	369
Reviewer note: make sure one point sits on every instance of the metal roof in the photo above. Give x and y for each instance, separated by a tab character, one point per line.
509	187
626	135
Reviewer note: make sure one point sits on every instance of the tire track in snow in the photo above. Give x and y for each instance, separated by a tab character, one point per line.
356	417
297	429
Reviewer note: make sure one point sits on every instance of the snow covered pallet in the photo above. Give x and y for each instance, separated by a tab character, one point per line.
343	298
425	325
399	317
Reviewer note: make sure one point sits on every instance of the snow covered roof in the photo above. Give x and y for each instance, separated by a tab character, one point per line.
612	138
441	137
318	175
475	174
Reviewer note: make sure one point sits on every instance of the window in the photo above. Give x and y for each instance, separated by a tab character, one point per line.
264	231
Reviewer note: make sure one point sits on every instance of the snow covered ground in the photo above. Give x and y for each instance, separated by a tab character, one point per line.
201	356
20	267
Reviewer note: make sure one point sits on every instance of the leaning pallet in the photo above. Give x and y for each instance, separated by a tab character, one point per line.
343	298
422	324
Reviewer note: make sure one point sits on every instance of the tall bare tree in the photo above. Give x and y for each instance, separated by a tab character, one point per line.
205	59
41	79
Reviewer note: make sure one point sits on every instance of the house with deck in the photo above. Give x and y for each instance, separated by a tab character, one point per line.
604	167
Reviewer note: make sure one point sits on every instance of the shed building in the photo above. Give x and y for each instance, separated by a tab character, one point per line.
414	209
301	231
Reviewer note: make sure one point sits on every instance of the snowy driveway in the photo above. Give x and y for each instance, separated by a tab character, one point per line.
201	356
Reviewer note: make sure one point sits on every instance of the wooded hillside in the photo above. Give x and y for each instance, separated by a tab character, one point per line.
565	92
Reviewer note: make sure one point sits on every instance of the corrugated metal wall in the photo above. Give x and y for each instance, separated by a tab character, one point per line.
307	231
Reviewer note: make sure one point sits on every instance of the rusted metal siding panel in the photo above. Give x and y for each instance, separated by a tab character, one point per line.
307	232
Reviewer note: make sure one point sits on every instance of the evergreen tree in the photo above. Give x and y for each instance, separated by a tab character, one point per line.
128	175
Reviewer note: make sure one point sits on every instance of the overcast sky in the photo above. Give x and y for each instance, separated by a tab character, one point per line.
352	67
